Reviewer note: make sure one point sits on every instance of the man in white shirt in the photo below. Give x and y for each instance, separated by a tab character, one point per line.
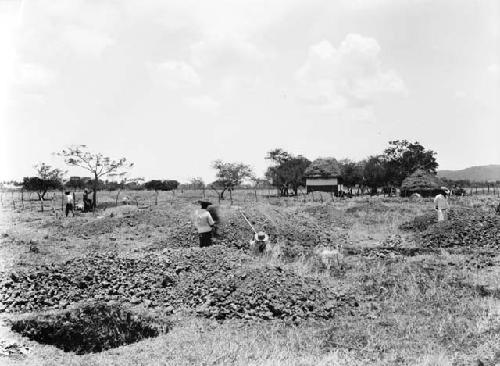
441	204
68	198
204	222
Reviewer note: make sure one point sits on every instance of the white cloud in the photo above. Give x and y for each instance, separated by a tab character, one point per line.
232	62
32	77
86	41
350	76
175	74
203	102
494	70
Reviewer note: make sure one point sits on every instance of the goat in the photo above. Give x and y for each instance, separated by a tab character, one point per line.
327	254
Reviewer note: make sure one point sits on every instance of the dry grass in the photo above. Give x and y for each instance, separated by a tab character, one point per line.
420	310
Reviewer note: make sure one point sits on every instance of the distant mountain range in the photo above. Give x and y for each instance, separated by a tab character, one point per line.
474	173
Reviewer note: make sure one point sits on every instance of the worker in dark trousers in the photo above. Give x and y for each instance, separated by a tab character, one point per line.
68	198
204	223
87	201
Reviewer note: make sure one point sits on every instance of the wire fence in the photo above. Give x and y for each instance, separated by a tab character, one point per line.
54	200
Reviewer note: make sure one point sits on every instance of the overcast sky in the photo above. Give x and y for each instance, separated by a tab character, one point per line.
174	85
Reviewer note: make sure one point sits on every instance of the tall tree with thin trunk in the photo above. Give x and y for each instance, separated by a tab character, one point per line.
96	163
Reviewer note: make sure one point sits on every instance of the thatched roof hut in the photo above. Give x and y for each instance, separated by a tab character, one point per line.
421	182
323	175
324	168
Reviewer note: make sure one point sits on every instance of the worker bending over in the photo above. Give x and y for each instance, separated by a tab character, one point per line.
259	242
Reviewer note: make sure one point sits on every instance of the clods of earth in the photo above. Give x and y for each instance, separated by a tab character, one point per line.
211	281
465	228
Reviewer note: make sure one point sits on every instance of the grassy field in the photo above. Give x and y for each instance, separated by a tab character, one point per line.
438	307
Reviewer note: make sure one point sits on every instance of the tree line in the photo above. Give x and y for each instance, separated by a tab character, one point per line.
286	171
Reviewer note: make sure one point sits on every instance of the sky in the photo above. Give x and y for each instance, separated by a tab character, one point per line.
175	85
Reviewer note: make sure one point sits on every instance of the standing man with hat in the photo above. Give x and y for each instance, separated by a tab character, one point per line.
204	222
441	204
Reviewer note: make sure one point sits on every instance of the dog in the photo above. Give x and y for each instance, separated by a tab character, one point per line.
329	254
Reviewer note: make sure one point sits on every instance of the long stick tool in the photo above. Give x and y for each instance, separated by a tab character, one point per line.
248	222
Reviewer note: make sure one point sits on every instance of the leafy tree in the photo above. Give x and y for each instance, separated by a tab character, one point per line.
47	178
229	176
161	185
351	172
196	183
404	157
374	172
96	163
76	184
278	156
287	171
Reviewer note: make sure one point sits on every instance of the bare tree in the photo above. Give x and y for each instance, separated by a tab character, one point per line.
96	163
229	175
123	182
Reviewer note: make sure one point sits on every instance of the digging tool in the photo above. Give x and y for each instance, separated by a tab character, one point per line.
248	222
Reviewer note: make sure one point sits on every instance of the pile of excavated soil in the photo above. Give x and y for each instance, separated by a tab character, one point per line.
423	222
264	293
419	223
469	229
212	281
298	232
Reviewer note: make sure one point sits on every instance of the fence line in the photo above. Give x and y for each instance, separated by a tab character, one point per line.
21	200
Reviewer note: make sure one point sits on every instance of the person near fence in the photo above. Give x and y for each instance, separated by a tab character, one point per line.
68	198
87	201
204	222
441	204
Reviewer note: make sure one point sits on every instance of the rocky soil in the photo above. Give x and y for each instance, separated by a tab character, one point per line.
214	282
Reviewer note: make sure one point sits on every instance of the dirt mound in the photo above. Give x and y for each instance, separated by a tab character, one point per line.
473	229
297	231
109	277
368	205
215	277
419	223
265	293
423	222
88	329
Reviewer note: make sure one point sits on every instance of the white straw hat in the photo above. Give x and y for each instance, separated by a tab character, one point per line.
261	236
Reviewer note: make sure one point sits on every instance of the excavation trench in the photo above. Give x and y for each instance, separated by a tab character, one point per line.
89	329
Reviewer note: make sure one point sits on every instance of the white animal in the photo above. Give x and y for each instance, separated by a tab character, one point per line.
329	254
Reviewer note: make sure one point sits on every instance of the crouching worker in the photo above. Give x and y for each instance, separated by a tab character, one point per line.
204	222
259	242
